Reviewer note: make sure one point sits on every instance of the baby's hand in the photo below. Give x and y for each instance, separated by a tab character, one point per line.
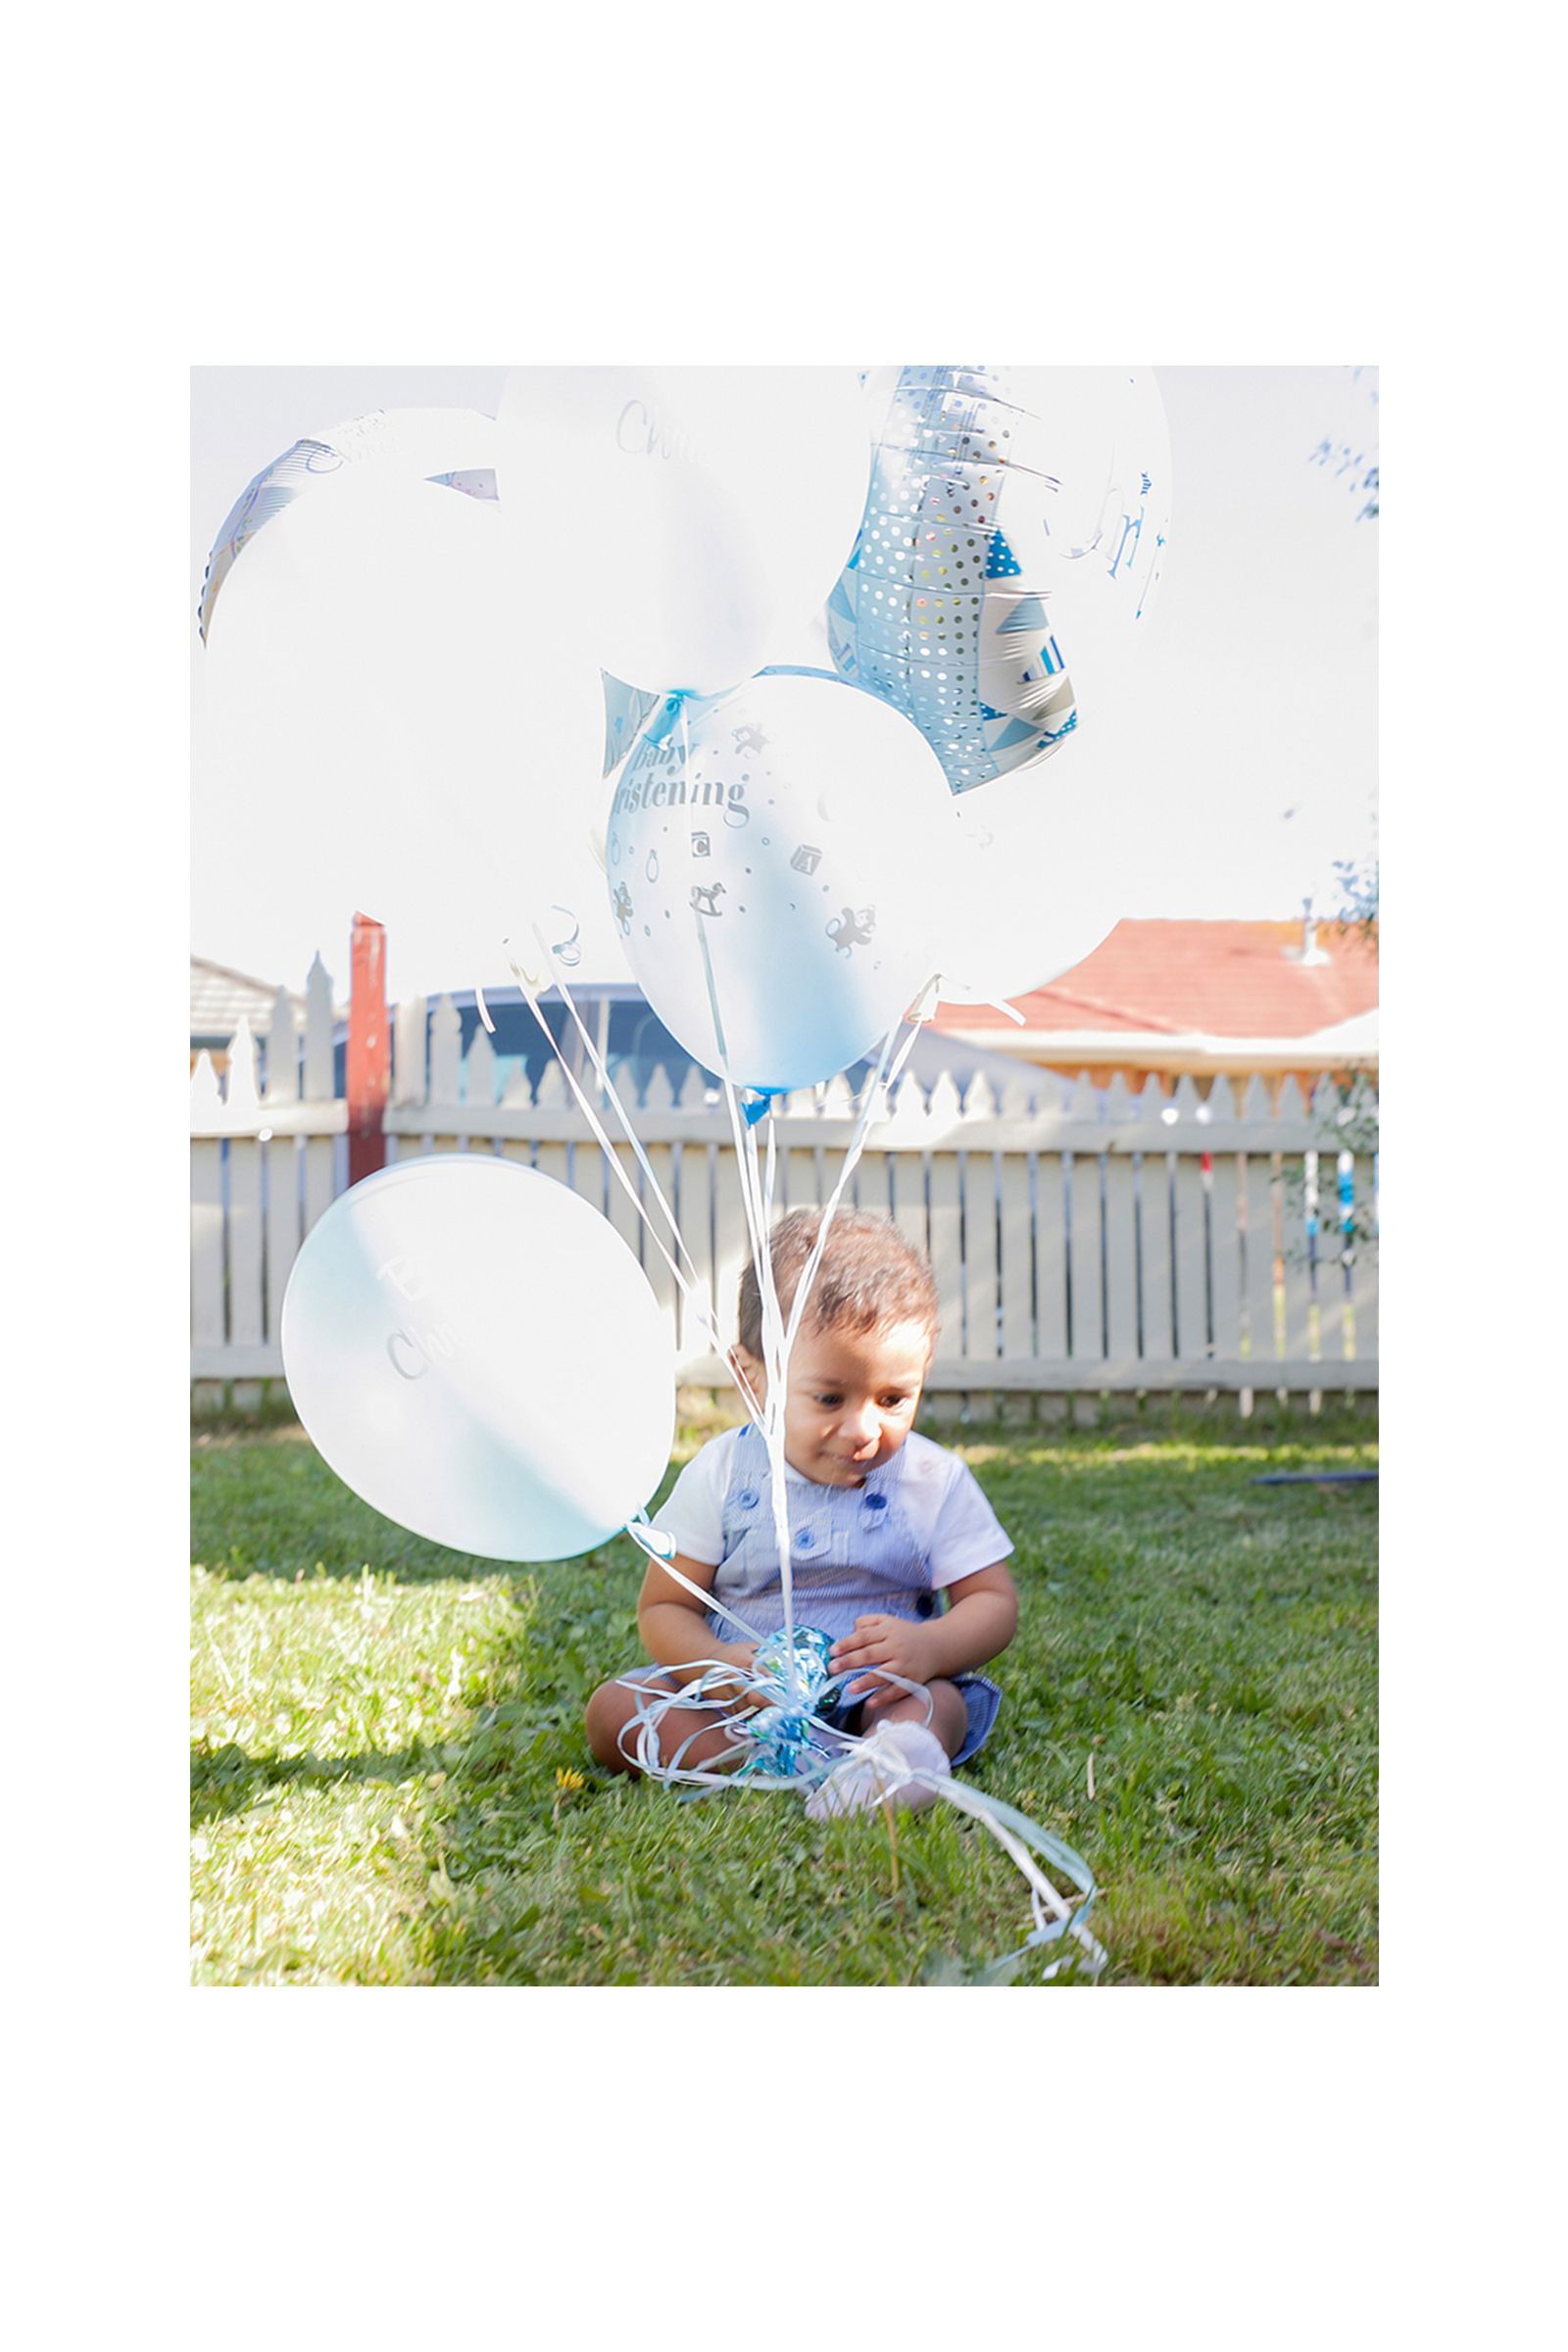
899	1643
740	1698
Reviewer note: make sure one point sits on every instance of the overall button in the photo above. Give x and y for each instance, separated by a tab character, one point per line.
748	1498
803	1539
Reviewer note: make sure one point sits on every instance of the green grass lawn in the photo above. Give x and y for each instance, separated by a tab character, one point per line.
390	1784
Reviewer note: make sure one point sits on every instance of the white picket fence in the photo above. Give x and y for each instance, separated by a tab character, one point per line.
1111	1243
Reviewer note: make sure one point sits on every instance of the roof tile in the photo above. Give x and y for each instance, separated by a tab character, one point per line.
1220	979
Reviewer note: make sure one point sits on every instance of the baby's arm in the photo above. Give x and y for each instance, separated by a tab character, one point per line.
981	1619
674	1627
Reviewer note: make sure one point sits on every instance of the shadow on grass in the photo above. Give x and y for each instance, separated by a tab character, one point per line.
224	1781
269	1505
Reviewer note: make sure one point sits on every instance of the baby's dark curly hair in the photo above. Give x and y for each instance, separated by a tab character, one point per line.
870	1275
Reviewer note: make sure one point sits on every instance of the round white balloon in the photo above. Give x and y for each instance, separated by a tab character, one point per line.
478	1353
1029	880
773	863
390	723
682	517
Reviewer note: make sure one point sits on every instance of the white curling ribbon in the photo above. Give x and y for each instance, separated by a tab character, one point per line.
689	1283
1058	1918
652	1539
697	1298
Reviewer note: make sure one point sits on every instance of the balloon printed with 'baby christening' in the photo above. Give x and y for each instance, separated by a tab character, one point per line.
770	856
1012	522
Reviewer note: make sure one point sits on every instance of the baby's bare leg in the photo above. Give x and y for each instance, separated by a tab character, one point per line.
613	1707
949	1717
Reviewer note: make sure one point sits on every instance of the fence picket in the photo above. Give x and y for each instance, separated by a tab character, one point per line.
284	1237
246	1257
979	1181
622	1208
662	1160
1331	1285
1364	1268
207	1239
554	1094
800	1178
242	1097
1190	1267
1225	1231
1259	1245
908	1127
732	1248
552	1160
1017	1257
282	1053
479	1084
1120	1234
320	1178
410	1082
1085	1244
588	1173
695	1208
1050	1253
1291	1198
318	1026
946	1211
446	1066
1189	1229
1154	1233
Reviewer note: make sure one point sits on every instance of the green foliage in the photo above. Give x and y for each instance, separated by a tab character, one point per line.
390	1783
1332	1235
1357	909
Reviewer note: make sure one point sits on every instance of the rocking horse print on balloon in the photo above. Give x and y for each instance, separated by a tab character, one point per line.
852	930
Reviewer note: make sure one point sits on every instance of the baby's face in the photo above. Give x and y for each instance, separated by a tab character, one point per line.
852	1401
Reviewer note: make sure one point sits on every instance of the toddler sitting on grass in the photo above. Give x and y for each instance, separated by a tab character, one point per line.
885	1529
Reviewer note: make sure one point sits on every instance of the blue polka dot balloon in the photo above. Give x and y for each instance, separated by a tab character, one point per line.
1009	517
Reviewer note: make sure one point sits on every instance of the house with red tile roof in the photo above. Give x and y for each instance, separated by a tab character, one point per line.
1174	998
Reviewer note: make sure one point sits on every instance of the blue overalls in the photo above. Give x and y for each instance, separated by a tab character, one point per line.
853	1550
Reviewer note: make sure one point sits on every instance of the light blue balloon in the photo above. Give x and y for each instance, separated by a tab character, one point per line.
475	1350
626	709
